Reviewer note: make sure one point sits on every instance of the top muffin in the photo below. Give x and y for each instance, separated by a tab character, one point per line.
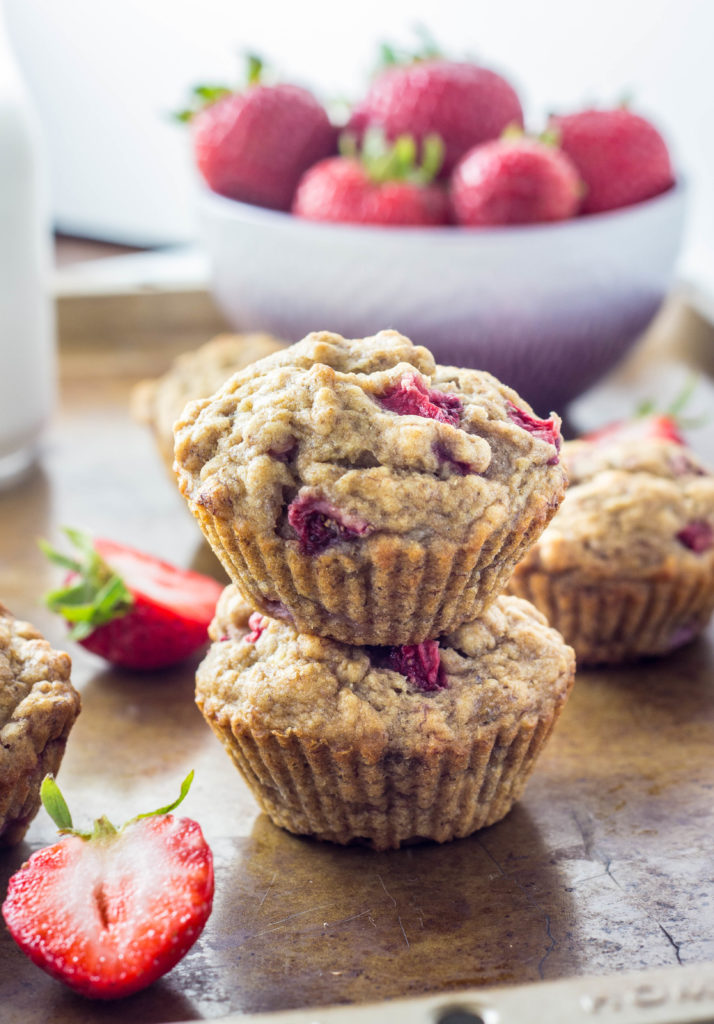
364	492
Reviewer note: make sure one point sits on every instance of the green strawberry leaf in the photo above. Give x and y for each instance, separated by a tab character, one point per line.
185	786
398	161
93	595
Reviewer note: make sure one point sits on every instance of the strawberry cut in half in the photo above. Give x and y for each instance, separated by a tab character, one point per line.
109	911
130	608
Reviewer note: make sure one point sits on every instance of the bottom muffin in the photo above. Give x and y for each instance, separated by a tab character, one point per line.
38	707
384	745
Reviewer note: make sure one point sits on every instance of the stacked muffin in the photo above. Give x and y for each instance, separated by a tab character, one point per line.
367	677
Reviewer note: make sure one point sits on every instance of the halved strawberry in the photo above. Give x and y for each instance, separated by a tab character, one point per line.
132	609
109	911
644	428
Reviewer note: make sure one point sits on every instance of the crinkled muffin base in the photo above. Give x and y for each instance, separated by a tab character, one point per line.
340	796
385	590
316	769
618	620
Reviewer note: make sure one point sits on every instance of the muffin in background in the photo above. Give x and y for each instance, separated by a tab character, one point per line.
360	491
626	568
158	403
384	746
38	707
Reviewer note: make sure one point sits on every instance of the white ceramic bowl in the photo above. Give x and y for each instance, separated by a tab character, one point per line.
547	308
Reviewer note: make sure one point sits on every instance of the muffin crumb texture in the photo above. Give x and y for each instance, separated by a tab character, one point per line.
38	706
375	496
626	568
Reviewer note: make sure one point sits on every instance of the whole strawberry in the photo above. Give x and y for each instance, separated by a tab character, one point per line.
620	156
462	103
514	180
109	911
383	185
254	145
130	608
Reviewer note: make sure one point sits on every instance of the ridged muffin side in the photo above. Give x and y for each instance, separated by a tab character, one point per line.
337	743
361	492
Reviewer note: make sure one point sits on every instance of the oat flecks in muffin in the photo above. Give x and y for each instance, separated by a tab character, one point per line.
38	706
196	374
336	744
417	478
626	568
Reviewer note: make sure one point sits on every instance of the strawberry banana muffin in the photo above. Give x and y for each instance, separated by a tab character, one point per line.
159	403
360	491
384	745
38	707
626	568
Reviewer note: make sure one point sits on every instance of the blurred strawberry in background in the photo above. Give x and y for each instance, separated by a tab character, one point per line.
620	156
254	145
514	180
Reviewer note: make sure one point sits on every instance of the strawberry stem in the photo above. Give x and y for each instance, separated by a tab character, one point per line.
676	407
185	786
93	594
397	161
55	804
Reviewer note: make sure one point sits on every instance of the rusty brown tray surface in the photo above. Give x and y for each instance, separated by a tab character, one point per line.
607	863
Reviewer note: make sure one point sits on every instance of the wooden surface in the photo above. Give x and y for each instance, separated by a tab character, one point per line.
605	865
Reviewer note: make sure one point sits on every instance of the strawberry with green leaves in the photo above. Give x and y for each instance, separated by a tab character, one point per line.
424	94
130	608
649	424
382	184
109	911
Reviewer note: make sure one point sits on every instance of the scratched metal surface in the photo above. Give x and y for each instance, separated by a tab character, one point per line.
605	865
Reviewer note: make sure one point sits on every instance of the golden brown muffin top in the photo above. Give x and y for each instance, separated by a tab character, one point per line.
633	508
504	666
196	374
369	433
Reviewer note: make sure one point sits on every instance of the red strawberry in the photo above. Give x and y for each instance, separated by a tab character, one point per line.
657	427
109	912
320	524
129	607
621	157
381	186
462	103
255	145
514	180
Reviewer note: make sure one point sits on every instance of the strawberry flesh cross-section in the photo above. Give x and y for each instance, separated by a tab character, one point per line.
411	397
698	536
257	624
545	430
319	524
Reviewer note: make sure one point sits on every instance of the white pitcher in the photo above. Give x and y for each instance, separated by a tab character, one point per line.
27	337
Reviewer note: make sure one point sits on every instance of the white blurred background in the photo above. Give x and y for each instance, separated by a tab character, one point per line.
105	75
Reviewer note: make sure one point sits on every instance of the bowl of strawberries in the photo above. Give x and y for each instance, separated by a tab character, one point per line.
431	210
